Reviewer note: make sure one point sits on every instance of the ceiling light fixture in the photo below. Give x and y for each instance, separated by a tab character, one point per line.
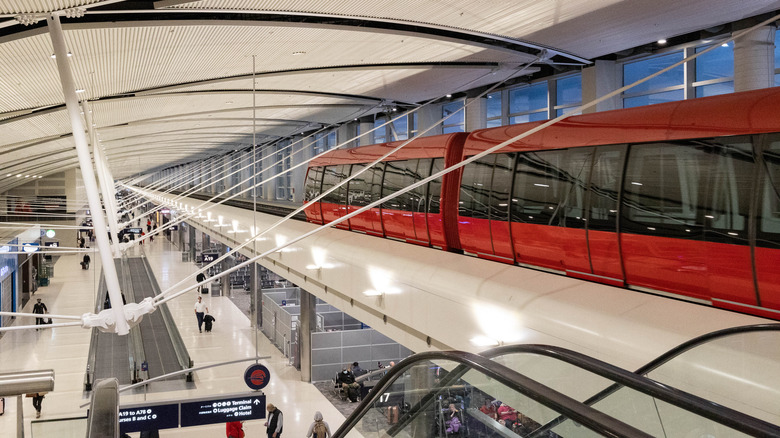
662	41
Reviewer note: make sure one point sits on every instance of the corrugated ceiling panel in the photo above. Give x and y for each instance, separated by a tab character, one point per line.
587	28
113	112
123	59
28	74
35	127
34	6
509	18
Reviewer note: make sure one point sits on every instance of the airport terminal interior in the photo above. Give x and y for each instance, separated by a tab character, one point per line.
411	218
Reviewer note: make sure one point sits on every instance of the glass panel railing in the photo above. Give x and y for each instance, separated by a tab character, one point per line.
62	428
654	408
740	370
440	394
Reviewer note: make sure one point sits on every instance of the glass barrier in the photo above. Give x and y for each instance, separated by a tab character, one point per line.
740	371
61	428
633	407
442	398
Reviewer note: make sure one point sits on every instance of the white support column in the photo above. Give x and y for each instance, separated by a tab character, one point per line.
598	80
430	116
105	183
366	139
87	172
476	113
754	56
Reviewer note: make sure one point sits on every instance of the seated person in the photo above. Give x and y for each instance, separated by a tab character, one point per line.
506	415
356	370
488	409
453	422
347	381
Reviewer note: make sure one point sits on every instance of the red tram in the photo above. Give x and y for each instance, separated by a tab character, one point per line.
681	199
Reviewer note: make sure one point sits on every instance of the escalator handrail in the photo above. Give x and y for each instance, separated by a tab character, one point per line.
587	416
701	340
692	403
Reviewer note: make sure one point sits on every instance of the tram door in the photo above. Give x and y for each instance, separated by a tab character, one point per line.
602	216
573	175
483	222
767	248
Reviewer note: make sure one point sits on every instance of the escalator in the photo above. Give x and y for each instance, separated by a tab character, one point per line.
555	392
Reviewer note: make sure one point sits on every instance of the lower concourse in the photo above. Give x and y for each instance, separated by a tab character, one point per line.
72	292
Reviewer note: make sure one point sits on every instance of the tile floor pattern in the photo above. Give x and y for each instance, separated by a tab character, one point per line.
72	292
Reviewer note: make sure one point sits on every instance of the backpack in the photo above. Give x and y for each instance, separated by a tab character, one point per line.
319	429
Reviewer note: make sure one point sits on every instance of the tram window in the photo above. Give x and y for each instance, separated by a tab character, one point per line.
397	177
769	216
537	187
662	190
362	189
419	195
434	187
604	188
313	183
575	172
501	186
730	178
334	175
475	187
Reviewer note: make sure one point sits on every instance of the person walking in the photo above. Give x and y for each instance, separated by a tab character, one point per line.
39	308
275	422
319	428
37	399
234	429
200	278
200	310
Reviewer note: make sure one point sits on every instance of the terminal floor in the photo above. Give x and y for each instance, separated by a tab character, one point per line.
72	292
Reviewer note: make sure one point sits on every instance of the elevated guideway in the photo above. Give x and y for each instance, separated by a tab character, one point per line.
427	299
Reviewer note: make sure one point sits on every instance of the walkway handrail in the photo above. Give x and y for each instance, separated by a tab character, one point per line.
24	382
713	411
182	356
89	374
136	343
576	411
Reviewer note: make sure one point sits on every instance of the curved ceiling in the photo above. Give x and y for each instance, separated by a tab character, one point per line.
171	81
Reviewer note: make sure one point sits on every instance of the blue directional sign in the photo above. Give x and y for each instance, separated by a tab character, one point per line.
208	257
148	417
223	410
